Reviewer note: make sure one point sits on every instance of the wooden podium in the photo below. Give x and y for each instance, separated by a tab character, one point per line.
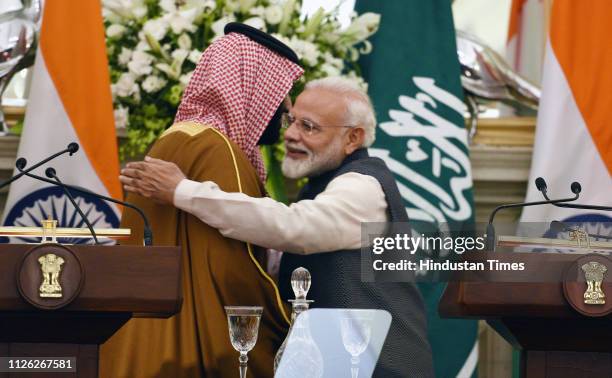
100	289
557	333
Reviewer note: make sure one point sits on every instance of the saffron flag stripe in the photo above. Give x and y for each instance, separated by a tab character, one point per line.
587	64
78	67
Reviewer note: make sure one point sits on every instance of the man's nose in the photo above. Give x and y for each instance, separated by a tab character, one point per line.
292	134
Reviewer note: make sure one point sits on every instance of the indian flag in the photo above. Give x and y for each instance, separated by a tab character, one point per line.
70	101
574	133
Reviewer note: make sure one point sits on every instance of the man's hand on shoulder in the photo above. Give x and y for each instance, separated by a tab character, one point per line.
152	178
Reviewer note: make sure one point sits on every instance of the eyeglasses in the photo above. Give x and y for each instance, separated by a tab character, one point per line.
305	127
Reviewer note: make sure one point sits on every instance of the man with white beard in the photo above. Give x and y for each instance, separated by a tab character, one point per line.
327	134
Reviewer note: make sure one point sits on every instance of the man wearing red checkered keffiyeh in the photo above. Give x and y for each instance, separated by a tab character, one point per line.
231	105
236	88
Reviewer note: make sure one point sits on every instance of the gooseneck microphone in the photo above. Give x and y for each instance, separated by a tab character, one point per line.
543	188
490	236
147	233
50	172
71	149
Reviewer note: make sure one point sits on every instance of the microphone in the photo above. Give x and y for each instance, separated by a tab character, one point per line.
50	172
147	233
20	163
576	188
490	235
558	226
72	148
541	184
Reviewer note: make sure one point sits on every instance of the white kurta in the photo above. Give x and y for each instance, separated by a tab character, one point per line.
330	222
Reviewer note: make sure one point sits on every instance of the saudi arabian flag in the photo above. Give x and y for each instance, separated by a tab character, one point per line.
414	81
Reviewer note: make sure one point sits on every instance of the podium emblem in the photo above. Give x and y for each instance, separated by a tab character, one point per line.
594	273
51	268
50	276
585	283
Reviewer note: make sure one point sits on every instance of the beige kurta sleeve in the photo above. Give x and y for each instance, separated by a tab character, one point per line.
330	222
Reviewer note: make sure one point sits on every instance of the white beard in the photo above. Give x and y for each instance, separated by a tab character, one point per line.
313	164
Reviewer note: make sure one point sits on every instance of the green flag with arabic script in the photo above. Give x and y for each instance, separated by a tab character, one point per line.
414	81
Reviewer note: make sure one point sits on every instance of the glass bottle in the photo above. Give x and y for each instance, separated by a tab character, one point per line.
300	283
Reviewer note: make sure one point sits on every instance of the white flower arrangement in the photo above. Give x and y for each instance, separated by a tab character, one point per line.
121	117
154	46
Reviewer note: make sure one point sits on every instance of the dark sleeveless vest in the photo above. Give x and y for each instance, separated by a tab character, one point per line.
336	280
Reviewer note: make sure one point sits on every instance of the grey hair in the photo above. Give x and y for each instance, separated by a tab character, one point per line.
359	107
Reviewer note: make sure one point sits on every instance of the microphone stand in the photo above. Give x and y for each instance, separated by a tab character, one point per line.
490	235
50	172
147	233
71	149
543	188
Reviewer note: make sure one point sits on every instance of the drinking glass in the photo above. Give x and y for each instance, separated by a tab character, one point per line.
356	330
243	322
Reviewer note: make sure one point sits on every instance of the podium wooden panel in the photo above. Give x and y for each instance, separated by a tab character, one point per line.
555	340
119	282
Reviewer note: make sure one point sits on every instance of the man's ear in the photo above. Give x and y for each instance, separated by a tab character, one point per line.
356	137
